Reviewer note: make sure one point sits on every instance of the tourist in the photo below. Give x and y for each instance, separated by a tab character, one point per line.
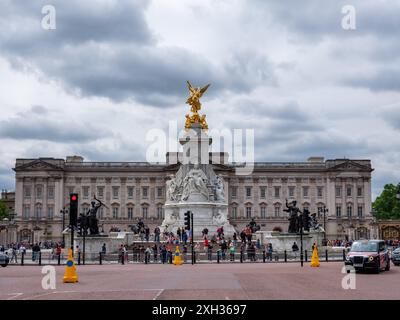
248	233
163	254
269	251
295	249
243	236
206	244
103	249
125	249
155	252
209	251
258	244
179	234
184	238
157	234
147	233
232	251
234	239
14	253
204	232
223	248
147	254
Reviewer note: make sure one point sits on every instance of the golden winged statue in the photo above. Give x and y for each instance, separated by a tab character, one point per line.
195	94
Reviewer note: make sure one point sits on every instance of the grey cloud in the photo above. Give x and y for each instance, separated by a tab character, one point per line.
384	79
391	114
83	54
30	126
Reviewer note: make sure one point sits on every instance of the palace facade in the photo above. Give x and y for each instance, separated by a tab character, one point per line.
136	190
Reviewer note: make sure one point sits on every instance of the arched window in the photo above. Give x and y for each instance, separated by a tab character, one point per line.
263	210
38	211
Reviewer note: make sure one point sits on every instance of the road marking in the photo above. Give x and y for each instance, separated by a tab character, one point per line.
15	295
227	298
40	295
158	294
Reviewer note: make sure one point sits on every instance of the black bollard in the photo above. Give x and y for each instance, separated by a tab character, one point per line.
79	258
101	257
122	259
285	255
305	255
59	259
241	256
218	256
264	256
40	258
344	255
22	258
326	255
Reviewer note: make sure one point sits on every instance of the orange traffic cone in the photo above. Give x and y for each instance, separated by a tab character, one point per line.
177	257
314	258
70	274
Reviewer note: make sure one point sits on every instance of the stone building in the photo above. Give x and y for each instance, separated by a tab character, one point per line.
133	190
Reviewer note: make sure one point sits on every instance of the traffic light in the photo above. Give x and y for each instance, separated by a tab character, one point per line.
187	220
73	209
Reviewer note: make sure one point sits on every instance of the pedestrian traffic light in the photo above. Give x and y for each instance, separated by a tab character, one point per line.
187	220
73	209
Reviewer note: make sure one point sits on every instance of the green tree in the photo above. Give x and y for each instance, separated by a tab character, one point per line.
386	205
3	210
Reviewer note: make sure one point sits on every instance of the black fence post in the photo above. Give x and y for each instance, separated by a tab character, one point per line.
241	256
79	258
285	255
40	258
218	253
122	258
145	257
326	255
264	256
305	255
344	255
59	259
101	257
22	258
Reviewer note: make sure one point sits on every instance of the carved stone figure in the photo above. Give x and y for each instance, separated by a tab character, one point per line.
195	182
293	216
219	189
171	188
220	218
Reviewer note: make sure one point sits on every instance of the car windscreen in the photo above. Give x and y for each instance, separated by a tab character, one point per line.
364	247
396	250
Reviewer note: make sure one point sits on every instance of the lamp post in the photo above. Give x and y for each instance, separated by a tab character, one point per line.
324	210
63	212
398	192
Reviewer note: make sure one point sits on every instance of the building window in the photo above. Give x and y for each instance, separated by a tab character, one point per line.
159	212
263	192
349	191
291	192
359	192
39	192
50	192
70	190
131	192
130	213
320	191
277	192
38	212
144	212
27	192
234	192
159	192
277	211
27	213
305	192
115	191
263	212
145	192
248	191
360	211
100	192
234	212
248	212
338	191
85	192
50	212
115	212
349	211
100	213
338	211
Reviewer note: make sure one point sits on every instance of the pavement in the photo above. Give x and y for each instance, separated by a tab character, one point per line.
202	281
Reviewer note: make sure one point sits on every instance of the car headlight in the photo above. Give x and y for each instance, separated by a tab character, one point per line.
371	258
348	258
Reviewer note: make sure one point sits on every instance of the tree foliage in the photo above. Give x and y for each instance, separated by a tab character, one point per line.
3	210
386	205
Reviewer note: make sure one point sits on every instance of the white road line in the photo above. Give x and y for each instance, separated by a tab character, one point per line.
158	294
227	298
39	295
15	295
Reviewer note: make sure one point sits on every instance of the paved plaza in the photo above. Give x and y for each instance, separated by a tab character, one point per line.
201	281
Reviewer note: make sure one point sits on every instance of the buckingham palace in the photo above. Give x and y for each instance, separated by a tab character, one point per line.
338	190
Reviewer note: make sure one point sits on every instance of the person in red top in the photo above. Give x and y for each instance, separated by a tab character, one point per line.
205	244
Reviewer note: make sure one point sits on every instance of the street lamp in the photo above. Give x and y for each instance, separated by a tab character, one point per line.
63	212
398	192
324	210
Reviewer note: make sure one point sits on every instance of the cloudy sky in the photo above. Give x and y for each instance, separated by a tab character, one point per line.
113	70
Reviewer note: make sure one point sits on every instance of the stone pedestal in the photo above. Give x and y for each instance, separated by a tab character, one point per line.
283	241
93	244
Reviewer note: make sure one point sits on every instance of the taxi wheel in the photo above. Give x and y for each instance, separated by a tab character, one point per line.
378	268
4	265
